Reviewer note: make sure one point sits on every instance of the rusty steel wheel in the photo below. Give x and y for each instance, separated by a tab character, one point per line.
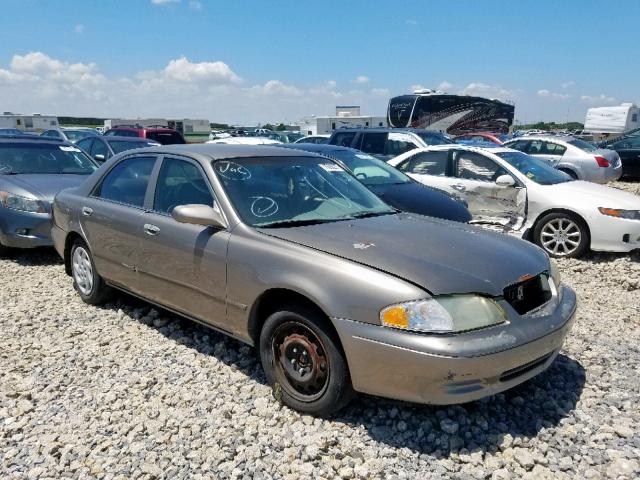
303	361
302	366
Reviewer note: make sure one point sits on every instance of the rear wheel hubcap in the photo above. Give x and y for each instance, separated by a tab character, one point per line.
82	270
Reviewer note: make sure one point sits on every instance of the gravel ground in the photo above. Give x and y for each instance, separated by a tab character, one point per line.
125	392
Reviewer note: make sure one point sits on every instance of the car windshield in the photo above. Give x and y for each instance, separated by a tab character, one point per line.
582	145
121	145
434	138
21	158
290	191
369	170
10	131
534	169
75	135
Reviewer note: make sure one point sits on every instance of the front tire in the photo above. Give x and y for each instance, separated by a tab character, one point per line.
562	235
89	285
303	362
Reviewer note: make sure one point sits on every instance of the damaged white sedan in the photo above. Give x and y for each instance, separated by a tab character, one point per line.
522	195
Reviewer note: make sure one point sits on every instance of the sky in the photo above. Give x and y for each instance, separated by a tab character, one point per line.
248	62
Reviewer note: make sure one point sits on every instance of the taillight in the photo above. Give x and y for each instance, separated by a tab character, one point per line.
602	162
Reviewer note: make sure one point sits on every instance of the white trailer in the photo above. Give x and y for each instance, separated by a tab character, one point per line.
28	123
612	120
326	125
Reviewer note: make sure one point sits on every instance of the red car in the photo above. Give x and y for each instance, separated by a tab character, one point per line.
498	138
158	133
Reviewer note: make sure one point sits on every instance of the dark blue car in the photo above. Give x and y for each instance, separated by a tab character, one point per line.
391	185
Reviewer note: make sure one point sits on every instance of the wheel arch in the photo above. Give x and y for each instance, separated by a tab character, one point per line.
70	239
271	300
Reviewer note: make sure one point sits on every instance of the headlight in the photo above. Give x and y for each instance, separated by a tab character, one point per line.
17	202
444	314
614	212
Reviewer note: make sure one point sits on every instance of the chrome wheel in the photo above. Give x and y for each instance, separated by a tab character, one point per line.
301	361
561	237
82	270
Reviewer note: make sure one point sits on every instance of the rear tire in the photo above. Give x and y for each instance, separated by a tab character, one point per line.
562	235
89	285
303	362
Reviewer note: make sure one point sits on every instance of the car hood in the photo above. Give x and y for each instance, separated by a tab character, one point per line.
587	194
415	198
440	256
45	186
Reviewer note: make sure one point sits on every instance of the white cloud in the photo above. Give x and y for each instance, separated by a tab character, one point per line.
36	82
195	5
597	99
164	2
79	29
487	90
568	84
360	79
185	71
444	86
411	22
548	94
417	86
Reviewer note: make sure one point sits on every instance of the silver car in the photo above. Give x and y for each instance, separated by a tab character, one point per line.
32	170
580	159
287	251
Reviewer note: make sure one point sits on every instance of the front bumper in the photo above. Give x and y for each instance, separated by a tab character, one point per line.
448	369
610	234
24	229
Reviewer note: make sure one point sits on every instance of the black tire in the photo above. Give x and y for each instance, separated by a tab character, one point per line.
89	285
571	173
325	386
562	235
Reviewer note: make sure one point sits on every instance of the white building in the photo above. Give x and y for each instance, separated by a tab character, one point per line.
28	123
347	116
612	120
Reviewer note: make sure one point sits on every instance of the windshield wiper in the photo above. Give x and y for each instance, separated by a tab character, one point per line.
295	223
374	214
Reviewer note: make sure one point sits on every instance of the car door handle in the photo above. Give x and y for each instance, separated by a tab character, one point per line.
86	211
459	187
151	229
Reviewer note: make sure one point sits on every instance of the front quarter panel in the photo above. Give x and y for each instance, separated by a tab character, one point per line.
258	262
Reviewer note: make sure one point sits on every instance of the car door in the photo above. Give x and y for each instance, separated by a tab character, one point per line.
183	266
111	220
475	180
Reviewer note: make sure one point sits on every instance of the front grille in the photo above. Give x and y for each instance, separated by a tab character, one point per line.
529	294
522	369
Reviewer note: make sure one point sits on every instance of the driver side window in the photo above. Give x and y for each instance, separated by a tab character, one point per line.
473	166
180	183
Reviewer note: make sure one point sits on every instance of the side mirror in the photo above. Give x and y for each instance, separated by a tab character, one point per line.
99	158
505	181
198	215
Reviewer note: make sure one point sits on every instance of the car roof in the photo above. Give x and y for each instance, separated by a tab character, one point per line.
123	138
490	148
223	151
388	129
561	138
32	139
148	129
318	147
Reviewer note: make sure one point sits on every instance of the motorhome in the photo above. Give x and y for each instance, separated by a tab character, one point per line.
447	113
347	116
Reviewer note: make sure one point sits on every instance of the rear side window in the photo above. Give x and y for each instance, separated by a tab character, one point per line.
373	143
166	138
427	163
343	139
180	183
473	166
519	145
127	182
627	144
550	148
